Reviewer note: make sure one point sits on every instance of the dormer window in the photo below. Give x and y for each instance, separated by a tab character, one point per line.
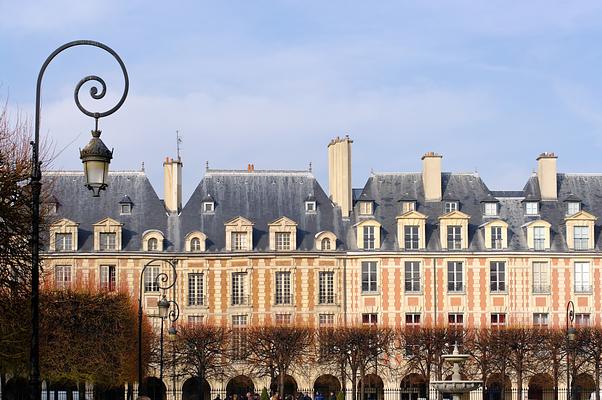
531	208
490	209
125	205
208	205
451	206
310	206
53	205
366	208
573	207
408	206
153	244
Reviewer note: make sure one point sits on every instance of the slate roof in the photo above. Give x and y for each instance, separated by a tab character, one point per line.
262	197
77	204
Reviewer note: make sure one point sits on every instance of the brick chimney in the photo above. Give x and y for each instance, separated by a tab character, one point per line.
431	176
339	173
546	175
172	184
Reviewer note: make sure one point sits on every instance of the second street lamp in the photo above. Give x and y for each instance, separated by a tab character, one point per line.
571	334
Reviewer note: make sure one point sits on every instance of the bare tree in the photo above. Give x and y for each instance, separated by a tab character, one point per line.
552	355
591	348
479	345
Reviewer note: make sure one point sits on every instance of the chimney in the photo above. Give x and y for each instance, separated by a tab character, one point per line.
339	173
431	176
172	184
546	175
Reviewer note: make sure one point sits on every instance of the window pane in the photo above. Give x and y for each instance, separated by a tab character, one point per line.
369	276
195	289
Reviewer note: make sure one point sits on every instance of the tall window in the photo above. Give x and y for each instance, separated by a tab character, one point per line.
107	277
326	244
412	321
581	237
572	207
412	276
539	237
582	320
63	242
369	242
153	244
531	208
283	287
238	288
451	206
496	237
540	320
239	336
455	320
150	278
62	276
195	289
326	320
108	241
490	209
410	237
369	319
455	279
498	320
369	276
541	277
497	276
239	240
326	287
283	240
195	244
454	237
582	278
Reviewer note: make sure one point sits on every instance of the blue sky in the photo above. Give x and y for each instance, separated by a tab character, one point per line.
490	85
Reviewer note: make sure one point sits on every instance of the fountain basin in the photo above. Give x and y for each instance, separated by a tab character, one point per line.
456	387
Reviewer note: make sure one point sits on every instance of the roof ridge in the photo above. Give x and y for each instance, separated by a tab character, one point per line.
81	173
257	172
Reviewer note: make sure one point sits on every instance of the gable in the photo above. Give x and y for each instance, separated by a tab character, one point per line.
108	221
581	216
412	214
283	221
238	221
455	215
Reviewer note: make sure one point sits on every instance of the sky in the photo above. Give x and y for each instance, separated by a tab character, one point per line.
490	85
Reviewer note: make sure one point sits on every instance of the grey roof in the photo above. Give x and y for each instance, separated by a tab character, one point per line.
261	197
77	204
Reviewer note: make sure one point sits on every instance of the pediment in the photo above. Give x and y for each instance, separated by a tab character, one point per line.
455	215
581	216
368	222
64	222
538	222
238	221
412	214
194	234
108	221
494	222
283	221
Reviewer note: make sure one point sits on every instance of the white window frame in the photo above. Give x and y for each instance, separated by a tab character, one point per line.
412	320
208	207
455	320
125	209
369	319
497	241
108	277
238	294
541	320
310	207
369	277
454	237
283	241
455	277
573	207
498	320
541	277
491	209
63	241
451	206
581	237
62	276
283	289
408	206
583	278
196	289
239	240
411	237
531	208
326	293
412	278
582	320
366	208
539	238
325	320
497	276
150	279
152	244
195	244
369	237
108	241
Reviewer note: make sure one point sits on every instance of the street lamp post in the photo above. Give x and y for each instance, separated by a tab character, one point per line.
162	282
166	312
570	337
95	157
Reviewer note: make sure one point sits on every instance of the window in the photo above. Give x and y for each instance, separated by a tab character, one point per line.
582	278
325	244
412	276
496	237
107	277
62	276
152	244
490	209
239	240
451	206
368	237
369	276
283	287
195	320
283	240
410	237
541	277
498	320
531	208
408	206
540	320
150	278
326	320
310	206
283	319
195	289
454	237
107	241
539	237
573	207
208	207
369	319
238	288
195	244
365	208
126	209
326	287
63	242
497	276
455	320
581	237
582	320
412	320
239	337
455	282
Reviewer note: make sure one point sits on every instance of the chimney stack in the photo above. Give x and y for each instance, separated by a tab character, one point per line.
431	176
339	173
546	175
172	184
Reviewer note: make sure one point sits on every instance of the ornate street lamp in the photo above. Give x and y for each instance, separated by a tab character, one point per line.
35	391
571	334
96	158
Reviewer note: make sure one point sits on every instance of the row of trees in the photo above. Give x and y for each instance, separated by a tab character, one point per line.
351	353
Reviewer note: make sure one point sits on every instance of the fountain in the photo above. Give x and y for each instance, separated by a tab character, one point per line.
456	387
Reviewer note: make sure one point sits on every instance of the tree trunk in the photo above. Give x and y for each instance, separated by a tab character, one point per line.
343	380
597	378
354	384
362	382
3	385
129	393
281	383
519	383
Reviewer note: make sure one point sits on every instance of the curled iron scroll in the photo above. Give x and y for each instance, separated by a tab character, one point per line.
162	279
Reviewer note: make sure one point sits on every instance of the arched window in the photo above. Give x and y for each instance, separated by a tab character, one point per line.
153	244
326	244
195	244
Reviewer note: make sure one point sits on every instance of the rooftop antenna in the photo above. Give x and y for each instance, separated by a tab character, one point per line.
178	141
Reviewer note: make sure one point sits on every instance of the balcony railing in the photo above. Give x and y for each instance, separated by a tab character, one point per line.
541	289
328	299
283	299
583	288
240	300
199	300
